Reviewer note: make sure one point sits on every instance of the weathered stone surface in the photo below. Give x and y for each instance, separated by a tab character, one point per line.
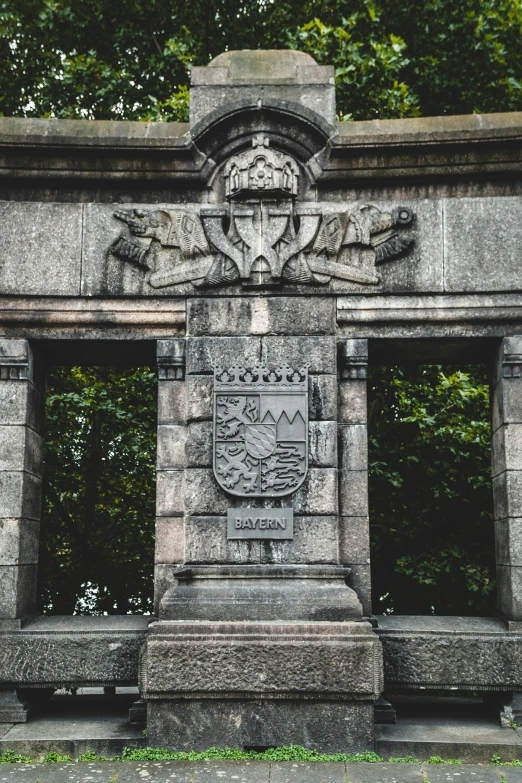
508	541
163	579
506	403
506	448
315	541
170	540
19	540
442	652
200	399
363	772
19	404
197	724
198	447
354	540
335	659
170	493
322	397
477	231
20	495
319	353
260	315
299	772
203	495
353	447
323	444
509	584
466	774
41	248
73	650
241	771
318	494
205	353
17	591
171	446
20	449
353	493
360	580
172	402
507	494
353	402
155	772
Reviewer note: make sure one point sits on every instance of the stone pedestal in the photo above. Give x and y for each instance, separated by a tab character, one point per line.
260	656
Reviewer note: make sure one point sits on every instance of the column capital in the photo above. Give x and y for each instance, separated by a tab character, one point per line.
171	359
16	360
511	357
353	359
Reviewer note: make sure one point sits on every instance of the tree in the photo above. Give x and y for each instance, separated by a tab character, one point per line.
97	534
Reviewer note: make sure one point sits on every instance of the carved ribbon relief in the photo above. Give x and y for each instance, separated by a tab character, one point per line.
261	237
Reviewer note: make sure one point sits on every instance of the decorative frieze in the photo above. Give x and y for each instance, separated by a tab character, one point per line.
171	359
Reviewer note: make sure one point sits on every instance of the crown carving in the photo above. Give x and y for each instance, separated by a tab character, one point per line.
261	378
261	171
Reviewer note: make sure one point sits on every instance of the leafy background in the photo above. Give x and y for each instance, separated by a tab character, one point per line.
432	548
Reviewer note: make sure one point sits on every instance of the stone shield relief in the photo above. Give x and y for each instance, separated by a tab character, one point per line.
260	430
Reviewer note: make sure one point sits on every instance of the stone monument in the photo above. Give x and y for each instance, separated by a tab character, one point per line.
262	255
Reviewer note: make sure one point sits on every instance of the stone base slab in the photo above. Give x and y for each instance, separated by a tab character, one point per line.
198	724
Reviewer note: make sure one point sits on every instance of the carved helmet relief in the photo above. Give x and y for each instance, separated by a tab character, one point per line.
262	236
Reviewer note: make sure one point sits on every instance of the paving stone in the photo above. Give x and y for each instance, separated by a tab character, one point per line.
316	772
239	771
364	772
460	773
511	774
81	772
156	772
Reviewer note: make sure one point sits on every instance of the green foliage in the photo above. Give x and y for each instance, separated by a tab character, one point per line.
439	760
55	758
90	755
97	540
430	491
131	60
288	753
10	757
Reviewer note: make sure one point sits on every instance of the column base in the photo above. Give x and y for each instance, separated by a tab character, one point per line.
13	708
257	724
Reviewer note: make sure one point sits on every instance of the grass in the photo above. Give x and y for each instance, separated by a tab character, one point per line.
286	753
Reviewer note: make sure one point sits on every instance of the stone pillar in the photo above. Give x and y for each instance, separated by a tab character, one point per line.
21	458
353	467
507	475
170	476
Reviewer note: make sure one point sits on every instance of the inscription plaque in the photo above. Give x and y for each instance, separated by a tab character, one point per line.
266	523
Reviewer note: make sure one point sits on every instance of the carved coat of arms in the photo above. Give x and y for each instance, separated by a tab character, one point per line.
260	430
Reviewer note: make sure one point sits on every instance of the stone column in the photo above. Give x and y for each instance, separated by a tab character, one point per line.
507	475
170	476
354	524
21	458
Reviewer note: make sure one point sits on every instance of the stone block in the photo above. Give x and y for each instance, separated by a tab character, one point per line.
322	397
315	541
353	493
171	402
240	771
19	540
200	399
203	494
205	353
198	447
360	580
353	447
17	590
170	540
300	772
319	353
20	449
260	315
354	540
53	651
509	591
468	774
353	402
171	446
506	402
507	494
19	404
482	244
323	444
170	493
163	579
318	494
20	495
41	248
366	772
206	542
197	724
